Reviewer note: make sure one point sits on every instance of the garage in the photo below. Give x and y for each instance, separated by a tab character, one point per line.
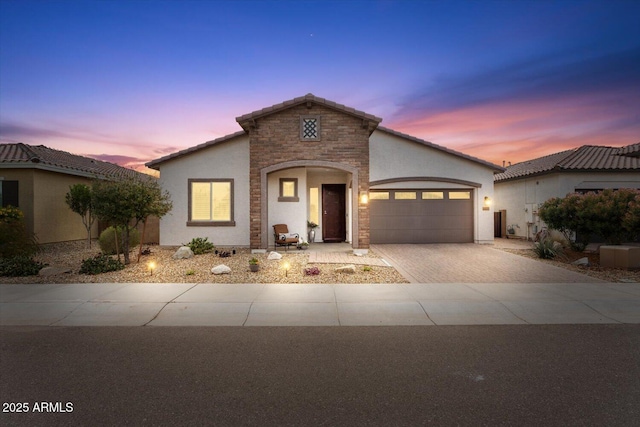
421	216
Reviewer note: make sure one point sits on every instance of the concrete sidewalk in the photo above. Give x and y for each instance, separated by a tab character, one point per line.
141	304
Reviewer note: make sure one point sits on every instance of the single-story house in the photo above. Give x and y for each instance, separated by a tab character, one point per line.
523	187
36	179
311	159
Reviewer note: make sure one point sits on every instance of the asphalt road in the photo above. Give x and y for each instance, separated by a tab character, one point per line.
453	375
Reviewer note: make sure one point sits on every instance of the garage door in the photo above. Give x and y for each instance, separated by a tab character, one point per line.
421	216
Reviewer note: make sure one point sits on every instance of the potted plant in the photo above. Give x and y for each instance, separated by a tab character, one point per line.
312	230
303	245
253	264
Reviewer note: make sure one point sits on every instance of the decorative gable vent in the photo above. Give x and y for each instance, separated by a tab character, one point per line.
310	128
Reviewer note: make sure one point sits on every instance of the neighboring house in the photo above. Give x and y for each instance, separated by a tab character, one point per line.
312	159
36	179
523	187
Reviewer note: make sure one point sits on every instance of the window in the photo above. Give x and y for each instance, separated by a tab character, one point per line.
459	195
379	195
310	128
405	195
211	202
432	195
9	193
288	190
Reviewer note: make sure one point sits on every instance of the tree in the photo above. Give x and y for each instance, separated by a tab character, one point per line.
80	200
126	203
613	215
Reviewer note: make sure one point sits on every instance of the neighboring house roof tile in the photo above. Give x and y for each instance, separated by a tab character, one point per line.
495	167
585	158
301	100
21	155
155	163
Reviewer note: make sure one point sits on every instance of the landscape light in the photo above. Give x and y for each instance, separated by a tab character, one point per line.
286	267
151	265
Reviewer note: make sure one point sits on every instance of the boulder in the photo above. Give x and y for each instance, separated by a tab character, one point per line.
582	261
184	252
221	269
346	269
54	271
274	255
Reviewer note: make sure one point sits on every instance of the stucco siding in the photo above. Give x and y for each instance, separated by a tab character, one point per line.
522	197
393	158
294	214
227	160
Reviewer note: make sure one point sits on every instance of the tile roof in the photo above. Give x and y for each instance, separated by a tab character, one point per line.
301	100
21	155
493	166
586	158
153	164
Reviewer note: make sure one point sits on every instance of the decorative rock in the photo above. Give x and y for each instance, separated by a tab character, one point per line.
346	269
221	269
274	255
582	261
53	271
184	252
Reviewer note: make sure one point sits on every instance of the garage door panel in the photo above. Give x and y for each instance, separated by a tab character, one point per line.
421	221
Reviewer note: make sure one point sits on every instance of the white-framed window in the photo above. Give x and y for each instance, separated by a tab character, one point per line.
211	202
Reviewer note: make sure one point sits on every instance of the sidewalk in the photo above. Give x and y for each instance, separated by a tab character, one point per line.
141	304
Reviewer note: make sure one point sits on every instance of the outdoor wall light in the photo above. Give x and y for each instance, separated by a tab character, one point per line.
286	267
364	197
151	265
487	201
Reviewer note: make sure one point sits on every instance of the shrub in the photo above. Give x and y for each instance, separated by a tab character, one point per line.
547	249
311	271
100	264
14	239
19	266
107	240
200	245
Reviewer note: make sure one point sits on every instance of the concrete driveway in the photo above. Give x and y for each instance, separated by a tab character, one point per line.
471	263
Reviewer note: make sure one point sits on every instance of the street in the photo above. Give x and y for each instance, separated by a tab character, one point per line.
448	375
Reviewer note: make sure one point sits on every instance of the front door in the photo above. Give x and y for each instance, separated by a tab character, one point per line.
333	213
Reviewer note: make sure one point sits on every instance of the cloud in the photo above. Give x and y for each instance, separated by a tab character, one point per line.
551	76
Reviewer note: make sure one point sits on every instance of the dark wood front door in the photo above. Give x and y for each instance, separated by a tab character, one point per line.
333	213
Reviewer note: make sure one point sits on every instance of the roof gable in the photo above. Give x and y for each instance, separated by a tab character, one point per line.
585	158
248	120
40	157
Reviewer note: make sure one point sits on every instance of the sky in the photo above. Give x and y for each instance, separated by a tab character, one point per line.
130	81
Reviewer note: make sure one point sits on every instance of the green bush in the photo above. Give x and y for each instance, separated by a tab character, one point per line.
19	266
107	240
547	249
100	264
200	245
15	241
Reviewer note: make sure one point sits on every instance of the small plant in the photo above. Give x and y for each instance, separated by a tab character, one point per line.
200	245
366	268
312	225
19	266
190	272
100	264
311	271
107	240
546	249
254	261
254	264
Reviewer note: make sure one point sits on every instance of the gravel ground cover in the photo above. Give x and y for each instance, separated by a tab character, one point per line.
594	269
198	268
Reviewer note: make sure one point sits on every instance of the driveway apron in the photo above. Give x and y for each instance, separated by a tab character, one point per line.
471	263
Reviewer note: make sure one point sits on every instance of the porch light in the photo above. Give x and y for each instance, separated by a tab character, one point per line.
487	201
151	265
286	267
364	197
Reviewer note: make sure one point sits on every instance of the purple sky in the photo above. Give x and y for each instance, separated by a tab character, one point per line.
131	81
